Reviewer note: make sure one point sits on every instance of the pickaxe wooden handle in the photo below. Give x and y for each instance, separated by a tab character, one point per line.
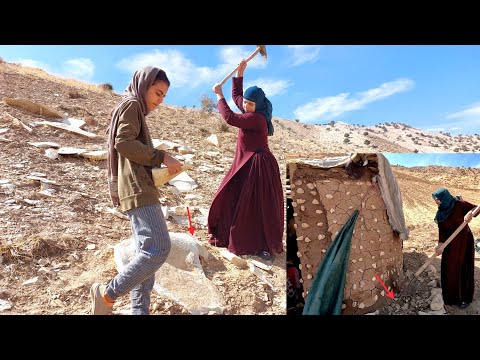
444	245
246	60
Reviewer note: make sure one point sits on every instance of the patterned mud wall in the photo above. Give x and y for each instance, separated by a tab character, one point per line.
323	201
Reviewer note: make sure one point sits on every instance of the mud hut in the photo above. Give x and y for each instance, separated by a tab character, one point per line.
325	192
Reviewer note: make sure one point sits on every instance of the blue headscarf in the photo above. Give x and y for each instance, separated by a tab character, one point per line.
447	203
262	105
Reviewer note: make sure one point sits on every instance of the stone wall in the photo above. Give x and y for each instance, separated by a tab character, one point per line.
323	200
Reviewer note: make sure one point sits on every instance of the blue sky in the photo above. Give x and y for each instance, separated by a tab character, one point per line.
431	87
443	159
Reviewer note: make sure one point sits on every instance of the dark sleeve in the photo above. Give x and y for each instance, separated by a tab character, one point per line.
127	143
237	92
466	207
242	121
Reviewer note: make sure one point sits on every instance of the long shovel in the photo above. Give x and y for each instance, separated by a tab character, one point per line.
409	290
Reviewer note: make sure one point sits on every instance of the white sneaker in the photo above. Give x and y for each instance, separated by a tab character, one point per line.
99	305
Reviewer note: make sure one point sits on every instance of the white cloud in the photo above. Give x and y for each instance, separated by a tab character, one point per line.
183	72
270	87
233	106
469	113
232	55
468	120
180	70
328	108
302	54
32	63
80	68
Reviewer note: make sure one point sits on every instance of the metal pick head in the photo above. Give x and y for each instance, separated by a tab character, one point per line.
263	51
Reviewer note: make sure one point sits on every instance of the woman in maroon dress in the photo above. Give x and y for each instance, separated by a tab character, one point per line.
458	256
247	213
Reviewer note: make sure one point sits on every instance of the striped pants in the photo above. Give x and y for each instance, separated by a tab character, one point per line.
152	246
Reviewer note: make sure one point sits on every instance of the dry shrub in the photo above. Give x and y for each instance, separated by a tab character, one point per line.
208	106
106	86
223	126
90	121
74	94
33	247
204	132
39	247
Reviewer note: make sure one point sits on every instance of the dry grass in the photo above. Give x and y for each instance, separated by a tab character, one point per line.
223	126
33	247
26	70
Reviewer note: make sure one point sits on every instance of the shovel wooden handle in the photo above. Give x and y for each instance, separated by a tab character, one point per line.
444	245
246	60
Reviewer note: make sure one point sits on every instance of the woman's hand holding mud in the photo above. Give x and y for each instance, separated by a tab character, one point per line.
172	164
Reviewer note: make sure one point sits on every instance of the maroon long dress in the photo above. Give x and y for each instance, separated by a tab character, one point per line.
247	213
458	258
